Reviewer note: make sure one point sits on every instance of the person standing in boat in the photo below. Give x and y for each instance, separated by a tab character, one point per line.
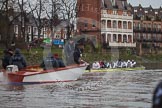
69	50
77	54
6	58
18	59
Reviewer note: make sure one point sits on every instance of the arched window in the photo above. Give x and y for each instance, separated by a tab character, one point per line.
103	24
114	24
124	25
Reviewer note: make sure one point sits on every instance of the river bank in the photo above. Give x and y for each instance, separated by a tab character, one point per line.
35	56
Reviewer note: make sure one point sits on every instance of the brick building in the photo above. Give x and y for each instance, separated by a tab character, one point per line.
147	23
89	15
108	20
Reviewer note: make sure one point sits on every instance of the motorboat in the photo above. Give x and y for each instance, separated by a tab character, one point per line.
35	74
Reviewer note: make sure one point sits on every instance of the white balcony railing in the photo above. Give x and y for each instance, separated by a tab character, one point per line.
116	16
116	30
115	44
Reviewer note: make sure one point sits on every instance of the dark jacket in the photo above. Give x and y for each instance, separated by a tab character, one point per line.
6	60
60	62
76	54
18	59
157	96
49	63
68	53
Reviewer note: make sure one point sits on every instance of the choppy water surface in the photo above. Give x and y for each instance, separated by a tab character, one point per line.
94	90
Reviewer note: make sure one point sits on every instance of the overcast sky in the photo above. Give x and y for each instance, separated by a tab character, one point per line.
146	3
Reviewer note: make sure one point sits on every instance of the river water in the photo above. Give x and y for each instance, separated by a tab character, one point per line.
93	90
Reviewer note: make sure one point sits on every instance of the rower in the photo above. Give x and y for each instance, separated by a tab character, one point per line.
59	60
18	59
49	62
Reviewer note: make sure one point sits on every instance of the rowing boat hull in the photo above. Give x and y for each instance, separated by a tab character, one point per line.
116	69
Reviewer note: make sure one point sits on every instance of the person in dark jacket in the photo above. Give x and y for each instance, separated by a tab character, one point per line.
18	59
77	54
157	96
6	58
69	50
59	60
49	62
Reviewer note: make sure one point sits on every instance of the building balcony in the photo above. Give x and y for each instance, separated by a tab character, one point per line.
149	40
116	30
115	44
117	16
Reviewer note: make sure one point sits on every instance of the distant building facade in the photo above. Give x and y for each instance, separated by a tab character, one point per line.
88	18
108	20
116	24
147	24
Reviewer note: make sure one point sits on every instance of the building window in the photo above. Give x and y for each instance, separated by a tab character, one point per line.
103	23
109	37
112	1
129	25
85	23
155	26
103	37
16	29
109	23
149	36
114	24
138	35
35	30
124	25
94	23
129	38
124	38
144	26
149	26
139	25
159	36
57	36
134	24
114	12
120	24
125	13
29	29
114	38
119	38
144	36
154	36
159	27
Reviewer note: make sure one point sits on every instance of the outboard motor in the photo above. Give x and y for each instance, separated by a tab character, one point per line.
12	68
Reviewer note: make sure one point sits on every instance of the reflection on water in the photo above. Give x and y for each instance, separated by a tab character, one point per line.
94	90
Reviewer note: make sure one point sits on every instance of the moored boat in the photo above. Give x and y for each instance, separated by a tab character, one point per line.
35	74
116	69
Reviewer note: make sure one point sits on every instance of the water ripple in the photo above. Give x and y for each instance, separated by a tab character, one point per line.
94	90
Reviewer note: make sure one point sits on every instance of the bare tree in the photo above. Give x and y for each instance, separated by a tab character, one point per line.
7	19
38	13
52	11
12	12
68	13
